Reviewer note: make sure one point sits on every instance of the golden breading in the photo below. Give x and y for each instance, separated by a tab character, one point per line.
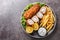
32	11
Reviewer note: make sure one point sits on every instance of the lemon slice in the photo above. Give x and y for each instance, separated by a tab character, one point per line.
29	29
35	26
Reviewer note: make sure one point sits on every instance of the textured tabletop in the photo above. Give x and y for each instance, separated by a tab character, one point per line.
10	14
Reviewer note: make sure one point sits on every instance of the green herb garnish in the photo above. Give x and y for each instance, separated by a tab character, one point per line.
42	5
28	7
23	21
37	3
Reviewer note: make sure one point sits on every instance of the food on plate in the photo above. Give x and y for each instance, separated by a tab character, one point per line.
35	18
32	11
39	14
23	21
38	18
35	26
50	27
45	19
51	19
30	22
42	4
29	29
48	19
42	31
43	10
28	7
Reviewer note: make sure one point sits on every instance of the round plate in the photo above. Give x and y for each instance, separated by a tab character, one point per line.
35	35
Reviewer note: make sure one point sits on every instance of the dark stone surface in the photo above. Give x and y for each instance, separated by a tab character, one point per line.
10	13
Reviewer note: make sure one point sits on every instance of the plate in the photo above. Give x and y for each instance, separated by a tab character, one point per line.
35	34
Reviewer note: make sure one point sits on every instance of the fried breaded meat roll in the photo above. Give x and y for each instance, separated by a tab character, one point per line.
32	11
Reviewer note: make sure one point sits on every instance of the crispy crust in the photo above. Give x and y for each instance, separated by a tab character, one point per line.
32	11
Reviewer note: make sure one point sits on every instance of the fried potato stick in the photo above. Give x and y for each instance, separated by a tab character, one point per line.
50	27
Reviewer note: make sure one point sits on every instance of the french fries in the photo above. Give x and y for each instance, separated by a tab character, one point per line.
50	27
48	19
44	20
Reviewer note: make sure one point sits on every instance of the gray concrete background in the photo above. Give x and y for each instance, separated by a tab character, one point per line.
10	13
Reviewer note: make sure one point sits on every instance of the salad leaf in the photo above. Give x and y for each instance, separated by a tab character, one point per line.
23	21
24	24
23	13
28	7
42	5
37	3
